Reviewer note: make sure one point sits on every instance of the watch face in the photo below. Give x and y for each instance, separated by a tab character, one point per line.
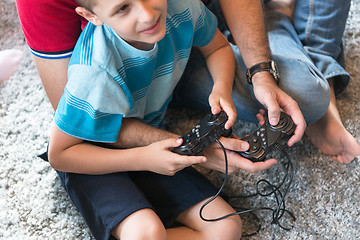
274	71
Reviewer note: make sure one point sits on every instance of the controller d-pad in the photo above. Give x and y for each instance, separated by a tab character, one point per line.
264	138
285	125
210	128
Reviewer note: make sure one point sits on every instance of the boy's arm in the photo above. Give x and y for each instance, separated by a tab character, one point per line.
220	61
71	154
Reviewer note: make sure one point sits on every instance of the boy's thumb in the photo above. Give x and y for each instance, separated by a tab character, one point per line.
172	142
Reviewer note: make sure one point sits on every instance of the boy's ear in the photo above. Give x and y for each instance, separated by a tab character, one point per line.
91	17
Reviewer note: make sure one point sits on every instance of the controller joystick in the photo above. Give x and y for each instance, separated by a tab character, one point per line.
285	124
264	139
210	128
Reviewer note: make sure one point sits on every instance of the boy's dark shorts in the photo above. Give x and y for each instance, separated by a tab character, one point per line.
105	200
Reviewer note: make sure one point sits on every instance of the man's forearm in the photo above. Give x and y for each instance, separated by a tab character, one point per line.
246	23
135	133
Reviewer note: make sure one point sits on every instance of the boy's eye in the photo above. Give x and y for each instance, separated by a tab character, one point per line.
123	8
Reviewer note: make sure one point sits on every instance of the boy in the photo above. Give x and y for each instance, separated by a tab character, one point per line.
124	68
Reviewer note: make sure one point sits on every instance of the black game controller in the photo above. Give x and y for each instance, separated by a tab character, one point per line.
210	128
264	139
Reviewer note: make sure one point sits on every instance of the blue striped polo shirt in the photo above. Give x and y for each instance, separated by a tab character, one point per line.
108	79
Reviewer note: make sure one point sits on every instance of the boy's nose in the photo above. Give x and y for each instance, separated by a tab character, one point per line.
146	11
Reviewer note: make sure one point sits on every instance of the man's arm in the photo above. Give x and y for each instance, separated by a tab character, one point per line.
134	133
246	23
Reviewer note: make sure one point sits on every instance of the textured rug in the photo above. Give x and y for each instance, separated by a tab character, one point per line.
324	196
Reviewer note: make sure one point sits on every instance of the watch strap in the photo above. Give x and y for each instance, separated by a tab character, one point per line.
260	67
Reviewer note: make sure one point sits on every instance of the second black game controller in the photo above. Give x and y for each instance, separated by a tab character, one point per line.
210	128
266	137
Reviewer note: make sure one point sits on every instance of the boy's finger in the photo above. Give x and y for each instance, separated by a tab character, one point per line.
231	113
171	142
214	105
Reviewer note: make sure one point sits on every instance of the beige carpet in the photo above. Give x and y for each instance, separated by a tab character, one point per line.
324	196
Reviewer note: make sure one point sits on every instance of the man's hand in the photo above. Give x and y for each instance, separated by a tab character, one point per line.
273	98
216	159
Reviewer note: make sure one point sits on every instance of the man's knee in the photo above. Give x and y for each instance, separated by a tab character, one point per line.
314	101
308	87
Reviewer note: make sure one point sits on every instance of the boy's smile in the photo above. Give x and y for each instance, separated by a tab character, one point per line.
140	23
153	28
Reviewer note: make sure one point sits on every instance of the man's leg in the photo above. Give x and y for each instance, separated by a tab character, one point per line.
330	136
320	25
283	6
309	89
299	77
196	84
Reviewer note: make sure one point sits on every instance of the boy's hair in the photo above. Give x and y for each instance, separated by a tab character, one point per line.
87	4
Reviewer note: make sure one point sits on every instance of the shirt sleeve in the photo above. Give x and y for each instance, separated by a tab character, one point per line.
205	26
93	105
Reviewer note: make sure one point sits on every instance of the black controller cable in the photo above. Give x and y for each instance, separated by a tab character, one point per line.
279	197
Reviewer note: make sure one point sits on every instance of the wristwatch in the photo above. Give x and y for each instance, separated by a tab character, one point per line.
263	66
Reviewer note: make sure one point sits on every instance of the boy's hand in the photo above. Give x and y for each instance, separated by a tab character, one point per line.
158	157
220	61
220	99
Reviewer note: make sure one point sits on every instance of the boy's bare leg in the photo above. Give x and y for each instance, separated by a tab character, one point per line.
329	135
284	6
142	224
145	224
197	229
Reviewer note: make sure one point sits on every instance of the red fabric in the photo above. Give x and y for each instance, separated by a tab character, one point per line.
50	26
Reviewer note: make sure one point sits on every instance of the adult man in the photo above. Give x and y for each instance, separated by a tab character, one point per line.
306	33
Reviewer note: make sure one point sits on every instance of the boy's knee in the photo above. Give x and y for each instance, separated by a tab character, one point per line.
141	225
153	231
148	231
230	228
235	228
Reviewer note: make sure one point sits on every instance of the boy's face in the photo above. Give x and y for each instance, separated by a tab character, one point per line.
141	23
